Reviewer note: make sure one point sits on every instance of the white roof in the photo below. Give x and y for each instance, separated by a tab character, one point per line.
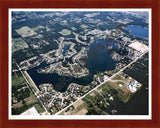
139	46
32	111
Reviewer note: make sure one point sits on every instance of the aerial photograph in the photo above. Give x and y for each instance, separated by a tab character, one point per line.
79	62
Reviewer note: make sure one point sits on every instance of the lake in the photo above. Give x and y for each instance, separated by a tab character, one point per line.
98	61
138	31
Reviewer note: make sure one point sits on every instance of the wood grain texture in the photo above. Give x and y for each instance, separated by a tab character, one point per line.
6	4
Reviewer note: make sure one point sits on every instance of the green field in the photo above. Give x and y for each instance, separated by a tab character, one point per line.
65	32
119	82
25	31
18	44
17	79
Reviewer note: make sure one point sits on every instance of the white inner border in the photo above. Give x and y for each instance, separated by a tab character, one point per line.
81	117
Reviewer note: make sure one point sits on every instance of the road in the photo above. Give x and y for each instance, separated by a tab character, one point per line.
101	83
32	82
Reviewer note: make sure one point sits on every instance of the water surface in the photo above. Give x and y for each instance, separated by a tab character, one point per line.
138	31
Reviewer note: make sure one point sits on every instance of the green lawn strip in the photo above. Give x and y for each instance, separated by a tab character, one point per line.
120	82
39	108
120	91
117	77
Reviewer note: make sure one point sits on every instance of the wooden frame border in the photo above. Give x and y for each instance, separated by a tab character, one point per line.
6	4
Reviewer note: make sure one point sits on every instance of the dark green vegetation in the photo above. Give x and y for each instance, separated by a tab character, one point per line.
19	93
119	82
138	71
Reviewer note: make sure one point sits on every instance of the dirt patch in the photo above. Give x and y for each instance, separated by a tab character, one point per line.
17	105
82	112
77	104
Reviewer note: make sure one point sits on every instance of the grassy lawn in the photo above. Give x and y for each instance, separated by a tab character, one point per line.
120	90
39	108
119	82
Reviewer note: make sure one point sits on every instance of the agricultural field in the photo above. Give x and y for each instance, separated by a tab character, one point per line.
25	31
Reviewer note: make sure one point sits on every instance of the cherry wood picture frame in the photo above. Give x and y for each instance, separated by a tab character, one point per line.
5	5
